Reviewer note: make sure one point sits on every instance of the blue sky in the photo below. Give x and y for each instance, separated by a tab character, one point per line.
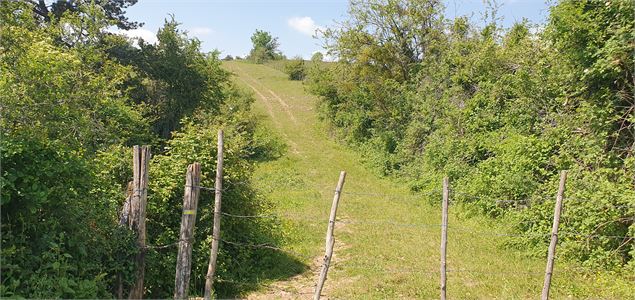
227	25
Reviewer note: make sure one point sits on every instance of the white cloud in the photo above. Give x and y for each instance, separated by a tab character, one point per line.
147	35
305	25
201	31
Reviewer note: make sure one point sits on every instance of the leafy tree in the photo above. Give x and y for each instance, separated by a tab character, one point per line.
52	91
391	36
114	10
265	47
317	57
177	78
380	48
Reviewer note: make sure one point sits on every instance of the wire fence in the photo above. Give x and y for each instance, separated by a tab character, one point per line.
386	222
268	246
538	231
511	230
421	195
405	270
373	221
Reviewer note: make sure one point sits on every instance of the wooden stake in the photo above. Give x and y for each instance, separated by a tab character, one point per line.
137	218
330	239
554	236
444	235
188	219
218	188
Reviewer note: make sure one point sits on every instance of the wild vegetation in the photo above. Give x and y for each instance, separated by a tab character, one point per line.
498	110
74	98
386	236
295	69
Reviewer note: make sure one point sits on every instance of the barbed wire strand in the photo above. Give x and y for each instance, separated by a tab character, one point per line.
528	200
266	246
285	216
259	283
343	266
383	222
452	228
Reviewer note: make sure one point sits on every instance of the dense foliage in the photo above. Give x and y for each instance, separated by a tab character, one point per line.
74	98
295	68
114	10
500	111
173	77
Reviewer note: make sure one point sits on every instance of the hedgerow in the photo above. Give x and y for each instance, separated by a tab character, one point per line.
500	111
74	98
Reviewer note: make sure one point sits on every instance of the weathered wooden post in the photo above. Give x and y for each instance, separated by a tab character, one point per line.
330	239
218	189
554	236
188	220
137	217
444	235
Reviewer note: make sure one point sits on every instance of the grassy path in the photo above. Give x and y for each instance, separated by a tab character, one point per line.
378	253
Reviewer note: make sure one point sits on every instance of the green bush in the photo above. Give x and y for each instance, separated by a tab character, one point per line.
193	144
61	106
74	99
295	69
59	232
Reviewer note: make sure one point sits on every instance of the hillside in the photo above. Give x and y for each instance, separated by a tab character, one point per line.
387	239
135	162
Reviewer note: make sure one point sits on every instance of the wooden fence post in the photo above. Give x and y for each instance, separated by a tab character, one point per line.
330	239
188	219
444	235
218	192
137	217
554	236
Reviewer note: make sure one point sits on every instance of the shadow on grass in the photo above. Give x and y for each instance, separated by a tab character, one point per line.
254	262
270	265
267	144
250	263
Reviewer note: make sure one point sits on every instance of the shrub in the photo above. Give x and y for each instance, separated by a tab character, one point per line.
295	69
192	144
73	100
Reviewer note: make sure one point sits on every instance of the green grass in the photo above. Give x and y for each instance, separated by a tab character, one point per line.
373	258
